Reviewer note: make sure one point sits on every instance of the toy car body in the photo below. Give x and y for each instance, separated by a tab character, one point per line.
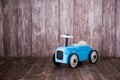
62	53
73	54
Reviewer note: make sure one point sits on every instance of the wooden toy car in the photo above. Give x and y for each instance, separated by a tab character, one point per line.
71	55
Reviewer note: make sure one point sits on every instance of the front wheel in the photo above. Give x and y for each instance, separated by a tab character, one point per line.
73	61
53	58
93	57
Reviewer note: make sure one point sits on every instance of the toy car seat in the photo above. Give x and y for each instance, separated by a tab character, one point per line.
80	43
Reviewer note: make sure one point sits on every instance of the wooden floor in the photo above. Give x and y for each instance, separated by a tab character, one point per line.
43	69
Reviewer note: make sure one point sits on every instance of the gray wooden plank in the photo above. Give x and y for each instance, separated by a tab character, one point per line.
1	29
38	28
94	25
108	29
52	26
66	19
24	28
10	24
118	29
81	21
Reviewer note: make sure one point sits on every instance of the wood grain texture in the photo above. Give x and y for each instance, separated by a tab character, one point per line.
10	24
94	14
1	30
88	22
33	27
80	29
24	28
66	19
44	69
52	26
118	29
48	28
108	29
39	30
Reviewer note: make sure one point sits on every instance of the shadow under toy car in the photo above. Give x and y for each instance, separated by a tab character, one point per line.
71	55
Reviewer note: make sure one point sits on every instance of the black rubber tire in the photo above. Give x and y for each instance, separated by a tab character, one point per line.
96	56
76	63
55	63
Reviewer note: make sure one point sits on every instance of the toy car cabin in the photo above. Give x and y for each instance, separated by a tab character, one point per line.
71	55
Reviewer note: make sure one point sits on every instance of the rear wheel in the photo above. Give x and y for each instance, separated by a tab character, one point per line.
93	56
73	61
56	63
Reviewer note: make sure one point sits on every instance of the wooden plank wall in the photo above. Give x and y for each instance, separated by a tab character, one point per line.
88	22
33	27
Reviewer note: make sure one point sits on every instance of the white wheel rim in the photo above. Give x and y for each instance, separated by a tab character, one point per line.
73	60
94	57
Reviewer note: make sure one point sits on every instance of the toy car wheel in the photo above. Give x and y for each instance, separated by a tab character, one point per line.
73	61
93	56
53	58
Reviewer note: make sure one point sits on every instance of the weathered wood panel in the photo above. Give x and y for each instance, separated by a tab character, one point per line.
52	26
24	28
94	8
80	29
118	29
66	19
10	24
33	27
38	28
88	22
108	28
1	30
48	28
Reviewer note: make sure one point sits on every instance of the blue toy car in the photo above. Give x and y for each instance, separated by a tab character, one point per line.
71	55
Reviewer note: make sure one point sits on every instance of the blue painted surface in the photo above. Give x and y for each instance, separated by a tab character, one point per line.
82	52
